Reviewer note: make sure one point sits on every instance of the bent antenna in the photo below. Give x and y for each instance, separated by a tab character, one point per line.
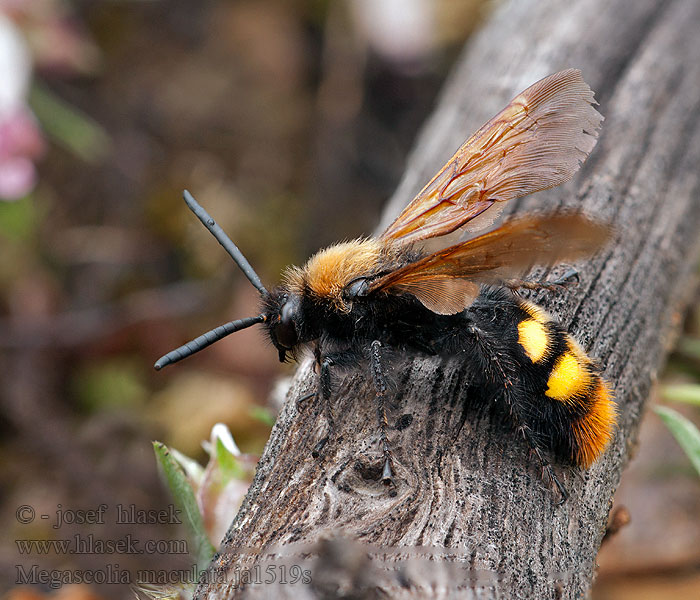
208	338
225	241
204	340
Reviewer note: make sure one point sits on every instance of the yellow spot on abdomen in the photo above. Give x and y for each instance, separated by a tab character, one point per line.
533	338
568	377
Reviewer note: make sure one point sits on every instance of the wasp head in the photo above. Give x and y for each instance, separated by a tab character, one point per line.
283	319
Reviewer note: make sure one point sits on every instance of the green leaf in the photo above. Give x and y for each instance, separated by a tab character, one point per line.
68	126
110	384
688	393
192	468
18	219
690	346
262	414
185	500
685	432
228	463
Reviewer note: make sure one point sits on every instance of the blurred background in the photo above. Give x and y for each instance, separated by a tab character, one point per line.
290	122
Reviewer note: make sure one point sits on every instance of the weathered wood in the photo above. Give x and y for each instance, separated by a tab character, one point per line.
479	493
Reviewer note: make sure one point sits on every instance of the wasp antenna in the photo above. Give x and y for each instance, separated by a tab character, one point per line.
206	339
225	241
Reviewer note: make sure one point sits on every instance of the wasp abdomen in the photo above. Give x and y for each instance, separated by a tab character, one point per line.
568	406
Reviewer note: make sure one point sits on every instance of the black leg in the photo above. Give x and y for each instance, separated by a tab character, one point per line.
567	279
301	401
324	384
546	466
380	387
525	430
325	378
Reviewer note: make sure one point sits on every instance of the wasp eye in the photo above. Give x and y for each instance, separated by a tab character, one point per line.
285	331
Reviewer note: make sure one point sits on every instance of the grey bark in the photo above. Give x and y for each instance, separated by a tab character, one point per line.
479	493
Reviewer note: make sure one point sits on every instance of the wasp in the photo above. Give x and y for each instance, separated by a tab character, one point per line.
353	301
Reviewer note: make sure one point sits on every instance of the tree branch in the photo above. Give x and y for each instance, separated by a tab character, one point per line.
465	481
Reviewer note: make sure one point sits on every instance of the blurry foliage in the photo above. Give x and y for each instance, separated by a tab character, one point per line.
209	496
683	392
263	415
69	127
184	496
109	384
186	407
686	360
18	220
685	432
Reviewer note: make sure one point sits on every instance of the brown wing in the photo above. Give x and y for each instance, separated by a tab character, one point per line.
447	281
537	142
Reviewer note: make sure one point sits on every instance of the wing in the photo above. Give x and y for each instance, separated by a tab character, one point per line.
447	281
537	142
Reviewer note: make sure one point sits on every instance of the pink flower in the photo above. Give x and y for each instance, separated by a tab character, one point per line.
20	138
20	144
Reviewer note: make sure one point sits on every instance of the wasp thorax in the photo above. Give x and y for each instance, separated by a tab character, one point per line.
327	273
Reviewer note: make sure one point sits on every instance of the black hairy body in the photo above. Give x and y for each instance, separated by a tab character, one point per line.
485	336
